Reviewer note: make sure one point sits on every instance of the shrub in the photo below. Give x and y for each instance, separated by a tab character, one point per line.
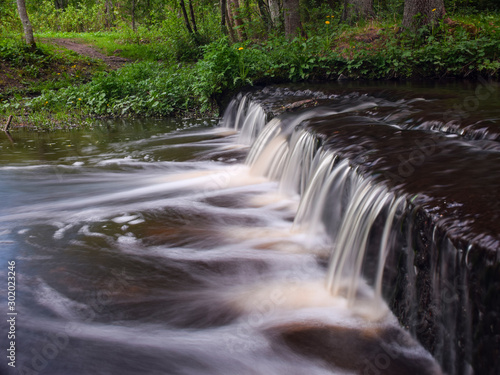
45	17
142	88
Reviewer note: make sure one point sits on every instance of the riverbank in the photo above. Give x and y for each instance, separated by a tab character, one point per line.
166	82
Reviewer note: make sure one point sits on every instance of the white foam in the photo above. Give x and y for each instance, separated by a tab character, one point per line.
124	219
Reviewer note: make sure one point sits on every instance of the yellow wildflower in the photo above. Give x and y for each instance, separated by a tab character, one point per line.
239	49
79	98
327	22
434	10
58	74
327	16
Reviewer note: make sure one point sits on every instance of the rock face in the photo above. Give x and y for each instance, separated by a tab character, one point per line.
442	277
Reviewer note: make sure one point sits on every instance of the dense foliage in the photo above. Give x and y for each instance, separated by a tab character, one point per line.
177	71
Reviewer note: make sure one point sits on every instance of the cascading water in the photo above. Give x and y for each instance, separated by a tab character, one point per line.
336	201
247	118
365	220
276	247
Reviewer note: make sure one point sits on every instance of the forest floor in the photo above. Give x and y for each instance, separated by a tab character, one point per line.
77	63
27	74
113	61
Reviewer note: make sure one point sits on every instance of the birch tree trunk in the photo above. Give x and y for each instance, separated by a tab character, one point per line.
418	13
28	30
275	10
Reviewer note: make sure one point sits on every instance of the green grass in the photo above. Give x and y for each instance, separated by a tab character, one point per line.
142	45
46	68
134	47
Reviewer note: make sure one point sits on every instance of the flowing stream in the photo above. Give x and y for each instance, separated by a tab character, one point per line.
247	246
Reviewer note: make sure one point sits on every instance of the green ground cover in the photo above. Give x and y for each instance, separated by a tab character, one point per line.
172	73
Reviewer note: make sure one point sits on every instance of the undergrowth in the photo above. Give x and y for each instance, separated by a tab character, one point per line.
44	68
181	75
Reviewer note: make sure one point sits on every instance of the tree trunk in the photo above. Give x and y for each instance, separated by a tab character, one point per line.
60	4
110	17
223	6
133	15
193	20
355	10
276	14
28	30
230	26
237	21
186	19
246	11
418	13
292	17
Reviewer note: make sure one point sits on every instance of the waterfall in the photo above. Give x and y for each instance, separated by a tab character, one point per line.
246	116
336	201
369	227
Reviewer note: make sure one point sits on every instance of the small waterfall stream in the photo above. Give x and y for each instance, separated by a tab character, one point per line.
364	219
335	200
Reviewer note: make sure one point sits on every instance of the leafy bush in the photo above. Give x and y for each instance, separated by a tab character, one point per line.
72	19
143	88
18	54
8	18
217	70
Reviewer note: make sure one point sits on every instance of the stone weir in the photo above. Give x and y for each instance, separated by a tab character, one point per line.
415	171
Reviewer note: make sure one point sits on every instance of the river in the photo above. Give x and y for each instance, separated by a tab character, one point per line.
188	247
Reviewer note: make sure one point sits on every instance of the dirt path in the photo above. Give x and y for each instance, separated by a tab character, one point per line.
114	62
